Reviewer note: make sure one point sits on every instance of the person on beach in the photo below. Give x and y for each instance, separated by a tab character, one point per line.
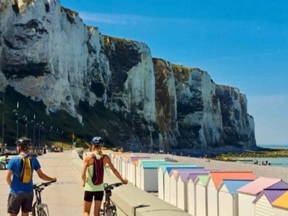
92	176
21	185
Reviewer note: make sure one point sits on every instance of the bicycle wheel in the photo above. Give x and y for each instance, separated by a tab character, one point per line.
34	209
2	166
42	212
110	211
38	211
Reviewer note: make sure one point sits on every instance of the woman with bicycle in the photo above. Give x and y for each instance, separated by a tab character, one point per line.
93	175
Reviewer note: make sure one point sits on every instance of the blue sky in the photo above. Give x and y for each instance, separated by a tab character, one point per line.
240	43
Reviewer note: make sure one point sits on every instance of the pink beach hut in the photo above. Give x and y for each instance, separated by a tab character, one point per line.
248	193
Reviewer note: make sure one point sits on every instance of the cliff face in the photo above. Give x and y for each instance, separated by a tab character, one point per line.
198	112
48	55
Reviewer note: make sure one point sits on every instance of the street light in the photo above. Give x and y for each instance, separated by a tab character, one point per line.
33	135
3	119
17	120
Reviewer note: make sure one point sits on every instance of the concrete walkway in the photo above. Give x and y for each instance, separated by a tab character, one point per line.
64	197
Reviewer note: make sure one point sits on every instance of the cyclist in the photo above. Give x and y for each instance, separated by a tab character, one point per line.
21	194
96	189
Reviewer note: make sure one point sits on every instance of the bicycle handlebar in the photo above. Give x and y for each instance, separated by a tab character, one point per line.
44	184
112	186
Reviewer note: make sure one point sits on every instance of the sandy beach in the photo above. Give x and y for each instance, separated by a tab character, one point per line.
265	171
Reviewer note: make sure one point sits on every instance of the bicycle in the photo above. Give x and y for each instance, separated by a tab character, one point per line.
39	208
109	208
3	165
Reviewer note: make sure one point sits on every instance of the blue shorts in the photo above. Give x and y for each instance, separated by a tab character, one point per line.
19	201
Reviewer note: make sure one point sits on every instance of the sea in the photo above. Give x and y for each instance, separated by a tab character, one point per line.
282	162
271	146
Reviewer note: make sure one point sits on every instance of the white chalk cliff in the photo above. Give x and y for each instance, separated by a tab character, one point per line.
49	55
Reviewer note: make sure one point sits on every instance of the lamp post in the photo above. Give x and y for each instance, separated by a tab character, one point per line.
17	121
26	126
3	119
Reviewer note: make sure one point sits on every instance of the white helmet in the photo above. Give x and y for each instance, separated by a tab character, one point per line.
97	140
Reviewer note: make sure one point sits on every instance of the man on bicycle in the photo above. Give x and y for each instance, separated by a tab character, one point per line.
93	174
21	194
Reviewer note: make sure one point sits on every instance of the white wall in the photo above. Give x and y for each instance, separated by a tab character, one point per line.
173	190
264	208
245	204
161	184
226	204
149	180
191	198
138	176
212	195
280	212
201	200
182	194
167	194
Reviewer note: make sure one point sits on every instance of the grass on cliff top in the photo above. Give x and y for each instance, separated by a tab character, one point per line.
182	73
265	153
109	39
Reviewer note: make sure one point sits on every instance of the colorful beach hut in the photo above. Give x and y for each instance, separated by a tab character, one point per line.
201	195
125	159
214	183
133	162
138	169
228	196
175	176
167	168
281	205
191	192
167	185
149	175
248	193
264	202
182	187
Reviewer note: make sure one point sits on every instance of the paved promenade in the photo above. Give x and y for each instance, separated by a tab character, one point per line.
64	197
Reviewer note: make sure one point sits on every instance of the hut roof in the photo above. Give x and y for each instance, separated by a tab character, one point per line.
271	194
258	185
233	185
218	176
282	201
203	179
169	167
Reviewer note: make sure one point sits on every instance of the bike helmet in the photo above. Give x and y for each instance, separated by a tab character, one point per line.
97	140
24	142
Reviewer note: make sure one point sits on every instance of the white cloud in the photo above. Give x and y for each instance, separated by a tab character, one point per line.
125	19
271	118
122	19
